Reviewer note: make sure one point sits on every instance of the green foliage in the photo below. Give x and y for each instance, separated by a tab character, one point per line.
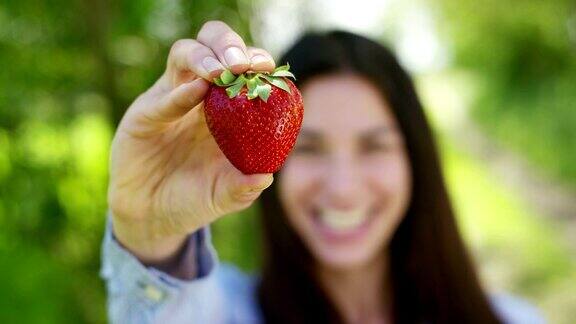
237	238
524	54
70	69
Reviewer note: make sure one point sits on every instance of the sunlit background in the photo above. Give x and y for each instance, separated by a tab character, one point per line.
497	77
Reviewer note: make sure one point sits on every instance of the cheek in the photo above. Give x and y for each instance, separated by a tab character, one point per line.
297	177
389	178
297	183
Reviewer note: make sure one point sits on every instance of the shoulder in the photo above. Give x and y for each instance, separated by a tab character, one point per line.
515	310
240	289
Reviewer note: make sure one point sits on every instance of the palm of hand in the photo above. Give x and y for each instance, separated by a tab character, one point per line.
176	177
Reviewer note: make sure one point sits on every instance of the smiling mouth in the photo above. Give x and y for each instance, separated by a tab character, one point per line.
337	223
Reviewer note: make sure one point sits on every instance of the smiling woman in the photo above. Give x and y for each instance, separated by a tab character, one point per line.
366	226
358	227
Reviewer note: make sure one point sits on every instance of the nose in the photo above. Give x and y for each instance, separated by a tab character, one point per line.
343	183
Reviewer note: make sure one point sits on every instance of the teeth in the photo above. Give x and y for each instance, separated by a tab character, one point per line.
343	220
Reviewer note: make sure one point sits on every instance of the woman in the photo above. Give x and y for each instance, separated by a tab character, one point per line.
358	227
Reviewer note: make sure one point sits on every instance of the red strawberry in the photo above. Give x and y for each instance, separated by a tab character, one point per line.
255	118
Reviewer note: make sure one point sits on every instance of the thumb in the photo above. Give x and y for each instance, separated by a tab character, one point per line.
243	189
250	186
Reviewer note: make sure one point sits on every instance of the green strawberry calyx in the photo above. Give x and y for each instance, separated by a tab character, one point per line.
258	84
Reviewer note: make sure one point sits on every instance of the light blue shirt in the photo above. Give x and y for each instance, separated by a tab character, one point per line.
219	294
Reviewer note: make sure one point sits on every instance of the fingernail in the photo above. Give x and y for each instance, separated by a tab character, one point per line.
257	59
264	186
235	56
211	64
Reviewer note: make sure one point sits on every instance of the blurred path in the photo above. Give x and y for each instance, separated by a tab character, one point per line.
549	198
448	97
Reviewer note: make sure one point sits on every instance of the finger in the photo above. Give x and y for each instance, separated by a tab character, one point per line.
226	44
260	60
246	188
188	55
177	102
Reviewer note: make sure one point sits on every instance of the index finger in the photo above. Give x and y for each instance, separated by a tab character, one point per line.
189	56
226	44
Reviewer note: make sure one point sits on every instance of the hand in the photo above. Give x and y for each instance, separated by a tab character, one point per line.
168	177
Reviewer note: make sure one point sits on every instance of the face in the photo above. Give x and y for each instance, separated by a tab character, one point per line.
346	185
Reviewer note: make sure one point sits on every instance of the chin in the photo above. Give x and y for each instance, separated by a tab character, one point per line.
340	259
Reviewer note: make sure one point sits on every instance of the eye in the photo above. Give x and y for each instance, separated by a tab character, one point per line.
307	148
381	146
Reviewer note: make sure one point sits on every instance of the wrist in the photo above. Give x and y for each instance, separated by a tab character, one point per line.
147	244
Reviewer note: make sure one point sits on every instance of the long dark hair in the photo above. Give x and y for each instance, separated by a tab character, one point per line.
432	276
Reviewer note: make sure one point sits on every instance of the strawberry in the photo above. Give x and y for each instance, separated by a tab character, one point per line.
255	118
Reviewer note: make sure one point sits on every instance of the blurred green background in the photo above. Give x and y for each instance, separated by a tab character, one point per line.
498	79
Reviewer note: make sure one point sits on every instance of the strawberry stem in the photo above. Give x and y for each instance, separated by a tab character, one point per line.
259	84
